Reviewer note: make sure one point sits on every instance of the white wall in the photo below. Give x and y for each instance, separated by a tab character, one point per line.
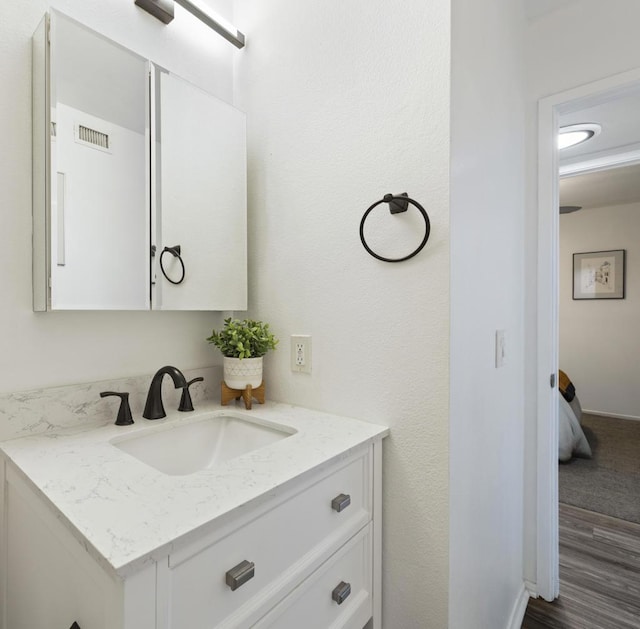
580	43
487	294
105	263
58	348
347	101
599	339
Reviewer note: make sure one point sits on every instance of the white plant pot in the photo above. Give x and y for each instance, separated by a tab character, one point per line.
241	372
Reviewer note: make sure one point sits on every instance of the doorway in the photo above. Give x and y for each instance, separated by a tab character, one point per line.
551	111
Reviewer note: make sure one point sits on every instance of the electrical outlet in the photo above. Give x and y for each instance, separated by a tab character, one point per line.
301	353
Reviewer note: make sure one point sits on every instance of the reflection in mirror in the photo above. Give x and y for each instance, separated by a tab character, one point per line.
99	251
200	206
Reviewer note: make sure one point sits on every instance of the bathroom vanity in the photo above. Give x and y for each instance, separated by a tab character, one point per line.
283	534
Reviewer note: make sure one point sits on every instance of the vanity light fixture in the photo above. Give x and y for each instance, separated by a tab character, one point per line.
164	11
574	134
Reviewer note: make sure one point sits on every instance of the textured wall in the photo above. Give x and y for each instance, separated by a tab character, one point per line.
487	294
347	101
58	348
599	340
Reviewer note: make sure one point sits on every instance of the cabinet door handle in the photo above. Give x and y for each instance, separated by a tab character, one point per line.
341	592
240	574
341	502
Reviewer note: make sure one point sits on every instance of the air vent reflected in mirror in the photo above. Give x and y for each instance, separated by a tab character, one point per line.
92	137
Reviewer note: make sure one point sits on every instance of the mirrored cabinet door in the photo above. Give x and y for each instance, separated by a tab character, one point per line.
97	256
139	181
200	203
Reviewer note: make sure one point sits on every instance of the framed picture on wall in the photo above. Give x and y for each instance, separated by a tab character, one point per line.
599	274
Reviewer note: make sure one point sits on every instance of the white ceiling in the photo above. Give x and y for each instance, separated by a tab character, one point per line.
606	188
613	155
113	83
620	120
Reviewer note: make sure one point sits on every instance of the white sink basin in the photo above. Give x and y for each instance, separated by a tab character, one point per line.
189	447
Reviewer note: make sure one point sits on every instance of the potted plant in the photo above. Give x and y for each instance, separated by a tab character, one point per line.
243	343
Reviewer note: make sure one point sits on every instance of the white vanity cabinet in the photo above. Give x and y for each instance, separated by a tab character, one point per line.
48	579
312	545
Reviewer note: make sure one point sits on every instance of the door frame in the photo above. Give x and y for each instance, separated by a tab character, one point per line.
549	111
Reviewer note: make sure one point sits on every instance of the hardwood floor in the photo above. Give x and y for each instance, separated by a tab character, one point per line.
599	575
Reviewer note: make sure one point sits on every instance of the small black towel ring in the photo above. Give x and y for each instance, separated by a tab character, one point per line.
174	251
397	204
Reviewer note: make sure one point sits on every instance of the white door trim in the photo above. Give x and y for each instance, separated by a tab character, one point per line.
549	109
547	433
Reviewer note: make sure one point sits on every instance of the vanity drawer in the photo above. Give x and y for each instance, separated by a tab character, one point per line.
285	544
346	577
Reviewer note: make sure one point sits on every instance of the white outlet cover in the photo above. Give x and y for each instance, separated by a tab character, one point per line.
301	353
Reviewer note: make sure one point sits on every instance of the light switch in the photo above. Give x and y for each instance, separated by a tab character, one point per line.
501	348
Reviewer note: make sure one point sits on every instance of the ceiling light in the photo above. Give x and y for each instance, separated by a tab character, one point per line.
214	21
164	11
574	134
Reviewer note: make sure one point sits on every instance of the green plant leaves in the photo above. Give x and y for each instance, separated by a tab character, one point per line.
244	338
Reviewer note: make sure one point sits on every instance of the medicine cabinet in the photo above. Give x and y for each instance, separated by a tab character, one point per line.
139	181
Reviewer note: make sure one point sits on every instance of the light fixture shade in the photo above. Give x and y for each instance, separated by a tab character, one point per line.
218	24
574	134
164	11
161	9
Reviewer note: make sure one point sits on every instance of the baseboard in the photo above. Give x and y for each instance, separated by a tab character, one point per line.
519	609
531	588
614	415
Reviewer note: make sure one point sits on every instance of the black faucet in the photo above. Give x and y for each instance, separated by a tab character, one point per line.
154	409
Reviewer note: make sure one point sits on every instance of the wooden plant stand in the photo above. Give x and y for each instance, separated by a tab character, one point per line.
228	394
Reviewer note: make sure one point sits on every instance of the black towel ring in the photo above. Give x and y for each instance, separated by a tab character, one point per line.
397	204
175	252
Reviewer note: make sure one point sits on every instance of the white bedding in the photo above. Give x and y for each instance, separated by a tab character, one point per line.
572	441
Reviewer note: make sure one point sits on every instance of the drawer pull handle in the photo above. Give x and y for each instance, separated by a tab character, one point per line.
341	592
240	574
341	502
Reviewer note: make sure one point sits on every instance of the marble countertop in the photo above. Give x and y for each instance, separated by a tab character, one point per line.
127	513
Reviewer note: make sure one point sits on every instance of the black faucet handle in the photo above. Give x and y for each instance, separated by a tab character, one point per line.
124	412
185	399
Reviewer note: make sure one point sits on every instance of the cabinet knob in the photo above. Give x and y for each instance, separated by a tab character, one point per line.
341	592
240	574
341	502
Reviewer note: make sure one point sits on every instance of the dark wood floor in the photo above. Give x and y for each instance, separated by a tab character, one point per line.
599	575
